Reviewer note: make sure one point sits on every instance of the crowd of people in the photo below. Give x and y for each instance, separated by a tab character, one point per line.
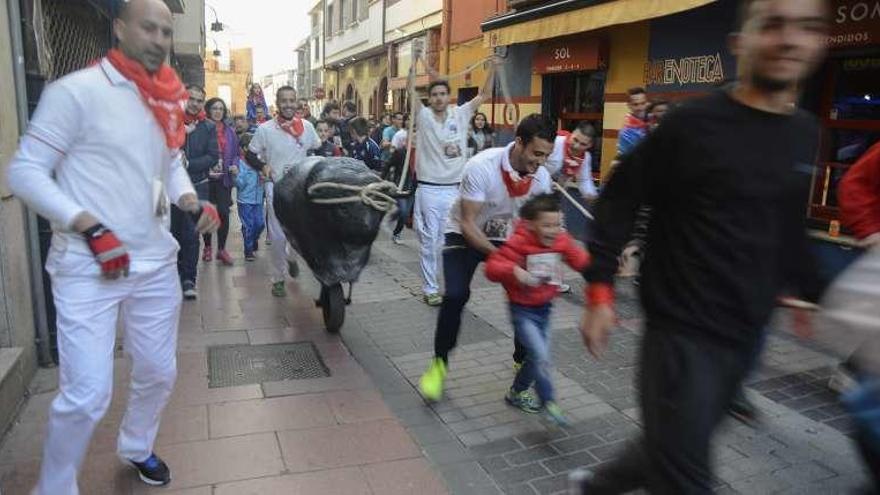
721	225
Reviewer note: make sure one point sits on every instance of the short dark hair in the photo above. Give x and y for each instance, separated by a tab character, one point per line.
210	103
536	126
586	129
330	106
245	140
360	126
395	114
635	91
196	87
349	106
284	88
322	121
439	82
542	203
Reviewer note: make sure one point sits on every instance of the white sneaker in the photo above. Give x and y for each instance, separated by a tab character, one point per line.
396	239
189	291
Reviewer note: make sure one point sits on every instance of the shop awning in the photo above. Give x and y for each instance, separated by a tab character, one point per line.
535	28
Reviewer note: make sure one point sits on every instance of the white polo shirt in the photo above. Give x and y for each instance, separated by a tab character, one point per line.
441	147
108	156
280	149
482	182
584	179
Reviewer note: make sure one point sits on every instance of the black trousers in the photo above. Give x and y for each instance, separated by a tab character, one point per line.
460	262
686	383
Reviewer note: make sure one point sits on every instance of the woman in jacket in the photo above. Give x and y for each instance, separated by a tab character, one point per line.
256	100
481	135
222	177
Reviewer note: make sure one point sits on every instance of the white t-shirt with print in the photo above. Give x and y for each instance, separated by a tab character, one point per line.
441	147
482	182
280	149
584	179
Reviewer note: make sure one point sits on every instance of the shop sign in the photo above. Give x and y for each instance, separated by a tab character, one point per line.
703	69
318	93
568	54
688	51
855	23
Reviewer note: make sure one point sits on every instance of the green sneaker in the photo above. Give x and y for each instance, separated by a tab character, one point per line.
431	383
524	401
278	289
553	414
433	299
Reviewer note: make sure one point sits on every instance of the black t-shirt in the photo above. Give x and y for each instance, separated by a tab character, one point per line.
728	185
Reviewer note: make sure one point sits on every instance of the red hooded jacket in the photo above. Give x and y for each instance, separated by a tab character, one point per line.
859	195
523	243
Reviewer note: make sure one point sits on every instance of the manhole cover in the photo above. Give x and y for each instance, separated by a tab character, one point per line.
230	365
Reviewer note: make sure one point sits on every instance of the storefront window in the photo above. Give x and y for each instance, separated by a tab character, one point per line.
857	92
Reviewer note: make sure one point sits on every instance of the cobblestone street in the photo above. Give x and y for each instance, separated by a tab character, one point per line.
365	429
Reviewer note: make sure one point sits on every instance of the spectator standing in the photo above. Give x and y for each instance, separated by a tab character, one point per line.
481	136
262	115
250	198
333	114
201	154
256	101
279	145
306	111
393	172
388	134
570	164
362	146
89	163
328	146
635	125
349	112
222	179
242	126
440	160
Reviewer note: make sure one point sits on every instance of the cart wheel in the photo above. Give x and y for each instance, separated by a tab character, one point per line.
333	307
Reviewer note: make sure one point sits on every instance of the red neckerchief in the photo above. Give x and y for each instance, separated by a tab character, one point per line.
221	137
294	126
163	93
194	119
517	186
633	122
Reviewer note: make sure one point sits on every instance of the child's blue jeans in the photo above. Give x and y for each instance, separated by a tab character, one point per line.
252	224
532	328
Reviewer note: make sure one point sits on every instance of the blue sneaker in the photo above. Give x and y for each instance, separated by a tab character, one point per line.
153	471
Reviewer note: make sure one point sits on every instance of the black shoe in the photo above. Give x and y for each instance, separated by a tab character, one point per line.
744	410
293	269
153	471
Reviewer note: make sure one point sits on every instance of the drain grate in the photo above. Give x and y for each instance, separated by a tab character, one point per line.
231	365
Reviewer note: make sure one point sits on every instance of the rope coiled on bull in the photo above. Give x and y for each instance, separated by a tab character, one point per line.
376	195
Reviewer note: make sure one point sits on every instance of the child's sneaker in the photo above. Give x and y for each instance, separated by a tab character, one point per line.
524	401
554	415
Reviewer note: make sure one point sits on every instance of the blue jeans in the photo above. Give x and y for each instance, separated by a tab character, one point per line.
252	224
531	326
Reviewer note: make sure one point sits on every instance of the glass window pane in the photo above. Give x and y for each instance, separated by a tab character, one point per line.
857	89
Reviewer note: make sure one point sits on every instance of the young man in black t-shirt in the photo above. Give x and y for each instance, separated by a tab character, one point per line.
727	177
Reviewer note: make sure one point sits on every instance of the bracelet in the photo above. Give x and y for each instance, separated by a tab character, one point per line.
95	231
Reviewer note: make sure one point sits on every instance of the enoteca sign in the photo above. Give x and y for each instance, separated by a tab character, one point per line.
855	23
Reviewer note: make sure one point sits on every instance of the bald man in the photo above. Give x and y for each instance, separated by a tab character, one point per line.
100	159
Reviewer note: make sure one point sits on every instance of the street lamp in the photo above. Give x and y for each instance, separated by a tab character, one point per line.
216	26
216	51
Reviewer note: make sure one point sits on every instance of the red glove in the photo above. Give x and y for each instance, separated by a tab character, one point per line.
109	252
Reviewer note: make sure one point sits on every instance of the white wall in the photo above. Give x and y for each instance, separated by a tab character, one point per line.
188	29
358	38
405	12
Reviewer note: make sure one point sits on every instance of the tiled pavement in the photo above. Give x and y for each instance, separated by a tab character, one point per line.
332	435
366	430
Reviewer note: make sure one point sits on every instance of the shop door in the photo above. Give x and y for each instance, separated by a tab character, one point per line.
849	109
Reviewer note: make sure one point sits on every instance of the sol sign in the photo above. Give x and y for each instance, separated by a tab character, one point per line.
855	23
569	54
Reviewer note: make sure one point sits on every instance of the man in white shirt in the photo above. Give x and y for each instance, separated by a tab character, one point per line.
570	164
494	185
277	146
99	159
440	160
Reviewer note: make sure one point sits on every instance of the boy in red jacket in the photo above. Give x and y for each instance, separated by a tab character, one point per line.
529	267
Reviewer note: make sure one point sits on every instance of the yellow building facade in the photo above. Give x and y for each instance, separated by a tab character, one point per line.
230	79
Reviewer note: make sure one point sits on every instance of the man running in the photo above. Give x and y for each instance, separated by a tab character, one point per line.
440	160
103	186
727	177
494	185
282	143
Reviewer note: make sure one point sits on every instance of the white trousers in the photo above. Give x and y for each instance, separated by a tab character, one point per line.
431	209
281	251
88	308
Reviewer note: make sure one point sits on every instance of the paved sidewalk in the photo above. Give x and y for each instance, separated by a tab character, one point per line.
331	435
